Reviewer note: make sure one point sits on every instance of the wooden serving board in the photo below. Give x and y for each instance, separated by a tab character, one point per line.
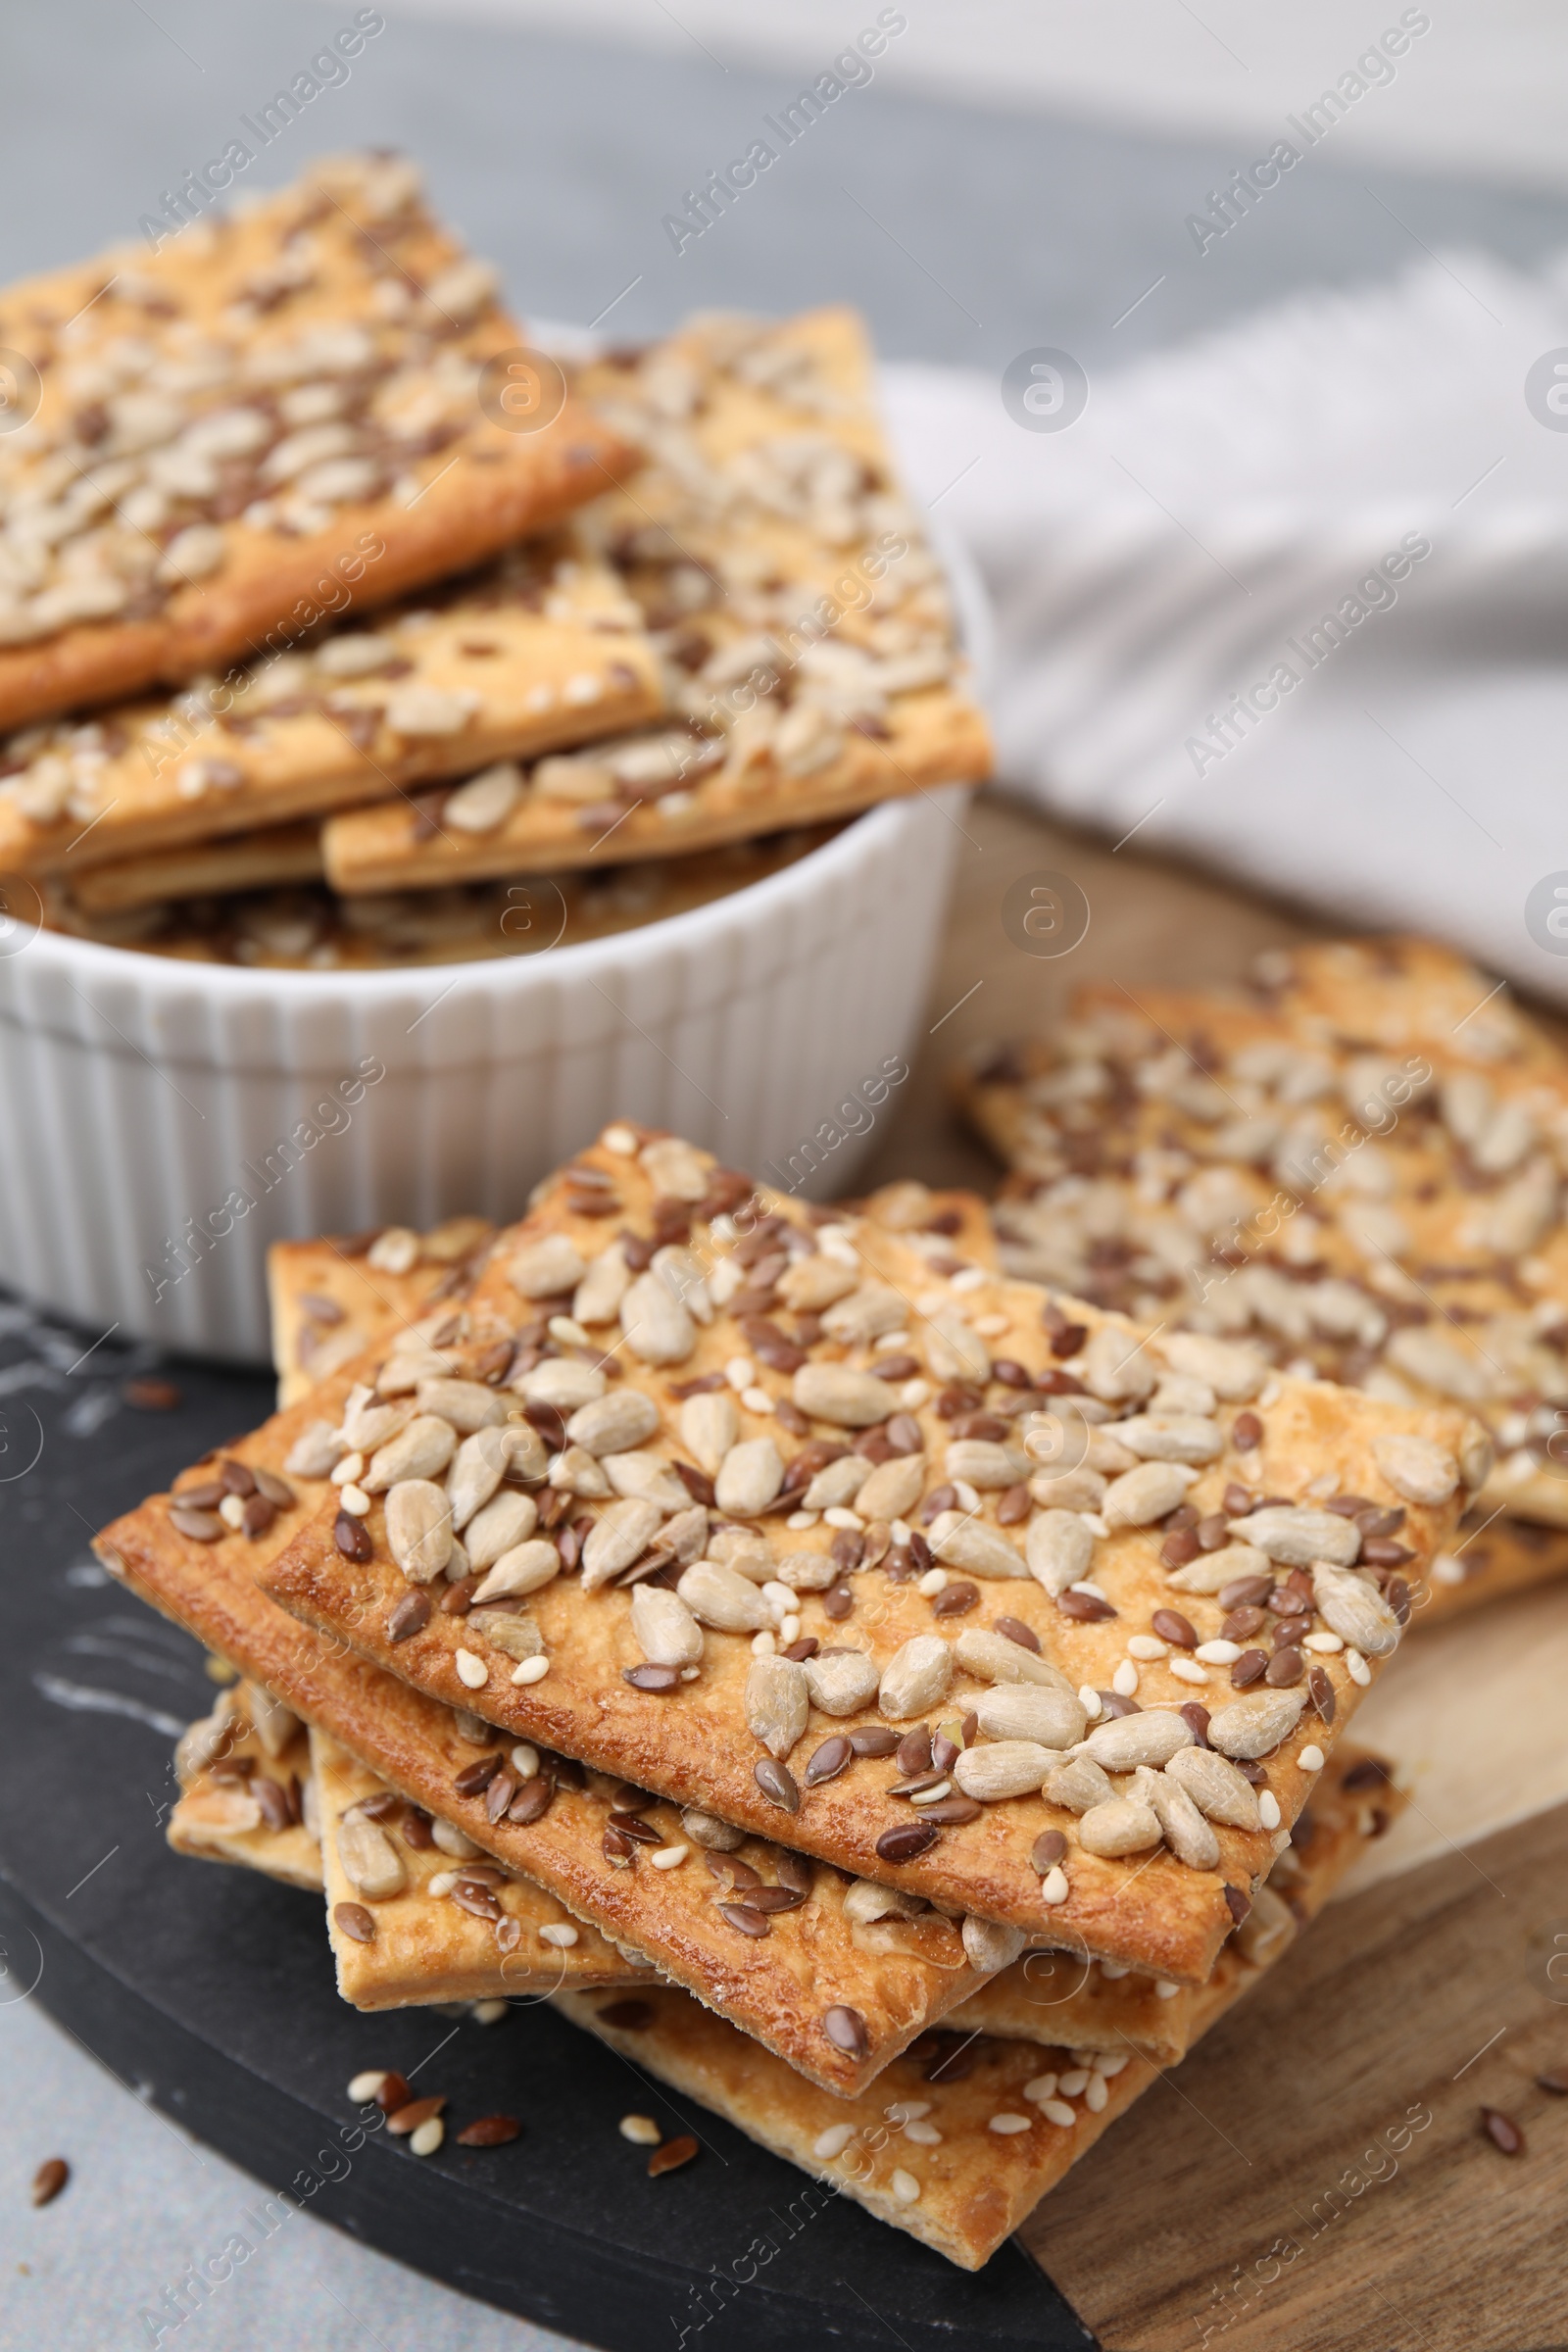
1315	2177
1285	2187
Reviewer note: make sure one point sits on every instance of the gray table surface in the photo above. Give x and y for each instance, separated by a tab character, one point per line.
966	236
145	2201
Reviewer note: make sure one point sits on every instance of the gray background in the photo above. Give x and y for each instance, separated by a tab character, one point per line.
966	235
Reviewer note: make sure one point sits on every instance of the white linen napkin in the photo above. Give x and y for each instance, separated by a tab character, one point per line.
1366	459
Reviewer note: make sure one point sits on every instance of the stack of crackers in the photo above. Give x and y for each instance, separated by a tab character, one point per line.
897	1703
330	612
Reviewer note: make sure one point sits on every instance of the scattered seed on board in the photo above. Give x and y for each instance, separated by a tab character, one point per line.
49	2180
489	2132
671	2155
641	2130
403	2121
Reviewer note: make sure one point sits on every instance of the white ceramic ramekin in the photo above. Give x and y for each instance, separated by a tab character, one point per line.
160	1122
143	1099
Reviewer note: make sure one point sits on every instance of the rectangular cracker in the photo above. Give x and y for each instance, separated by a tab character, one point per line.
1361	1170
218	1763
1399	991
329	1299
898	1976
271	858
963	2192
310	929
972	2190
779	1988
790	590
425	1947
336	302
458	1927
1078	2004
1289	1439
973	2185
1491	1556
1052	1996
538	651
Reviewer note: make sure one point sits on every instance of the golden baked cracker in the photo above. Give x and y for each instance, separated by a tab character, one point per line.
417	1914
965	2134
1052	1996
244	1775
553	1662
1397	992
921	2148
789	588
1079	2004
269	859
310	929
1381	1203
953	1226
425	1944
276	415
1490	1557
330	1298
537	651
825	1956
898	1976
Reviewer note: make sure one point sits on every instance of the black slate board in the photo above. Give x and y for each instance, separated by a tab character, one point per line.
211	1992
